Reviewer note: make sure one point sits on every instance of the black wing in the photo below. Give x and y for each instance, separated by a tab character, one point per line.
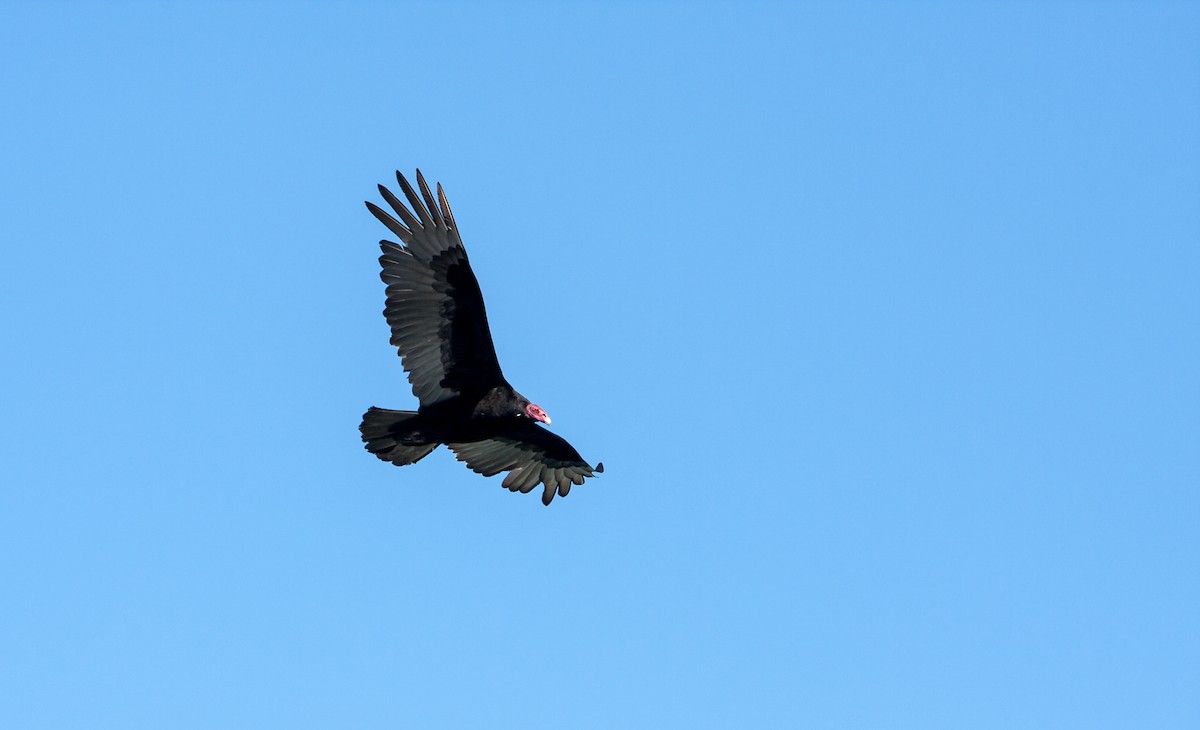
532	455
434	306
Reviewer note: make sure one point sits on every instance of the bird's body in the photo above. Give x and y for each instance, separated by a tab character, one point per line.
439	325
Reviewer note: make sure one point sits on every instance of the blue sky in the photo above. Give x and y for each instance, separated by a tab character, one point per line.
884	319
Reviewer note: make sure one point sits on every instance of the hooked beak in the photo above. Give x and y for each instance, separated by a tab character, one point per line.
537	414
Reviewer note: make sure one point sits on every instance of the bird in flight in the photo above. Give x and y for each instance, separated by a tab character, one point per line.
438	322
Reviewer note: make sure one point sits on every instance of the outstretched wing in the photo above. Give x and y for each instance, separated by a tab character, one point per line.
434	306
532	455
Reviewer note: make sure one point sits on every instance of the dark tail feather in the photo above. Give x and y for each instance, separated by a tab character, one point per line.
393	436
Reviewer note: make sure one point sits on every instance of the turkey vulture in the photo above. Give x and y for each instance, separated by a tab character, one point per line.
439	325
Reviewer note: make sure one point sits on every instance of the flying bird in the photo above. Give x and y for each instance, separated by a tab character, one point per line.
438	322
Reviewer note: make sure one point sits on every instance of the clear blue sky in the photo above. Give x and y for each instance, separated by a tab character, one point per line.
885	319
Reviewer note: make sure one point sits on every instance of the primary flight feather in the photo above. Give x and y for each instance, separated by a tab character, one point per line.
439	326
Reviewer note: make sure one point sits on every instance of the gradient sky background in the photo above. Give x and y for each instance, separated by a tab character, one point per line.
885	320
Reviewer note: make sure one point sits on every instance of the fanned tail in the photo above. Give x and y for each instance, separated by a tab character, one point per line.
395	436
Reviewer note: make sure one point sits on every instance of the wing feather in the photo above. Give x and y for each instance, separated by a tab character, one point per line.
447	216
392	224
414	200
429	204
